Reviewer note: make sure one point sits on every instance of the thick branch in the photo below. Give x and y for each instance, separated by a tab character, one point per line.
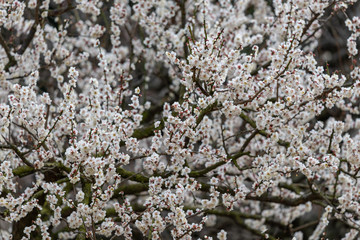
132	176
286	201
32	32
11	58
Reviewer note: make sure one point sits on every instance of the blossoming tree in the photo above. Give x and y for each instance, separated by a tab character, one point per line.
160	119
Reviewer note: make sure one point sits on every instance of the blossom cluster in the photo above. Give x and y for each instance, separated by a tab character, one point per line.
161	119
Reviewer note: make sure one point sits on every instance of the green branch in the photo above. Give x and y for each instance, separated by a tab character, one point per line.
132	176
262	132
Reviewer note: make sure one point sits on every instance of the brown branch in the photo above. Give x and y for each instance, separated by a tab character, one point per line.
264	198
10	57
262	132
32	32
306	225
286	201
20	155
58	12
248	140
